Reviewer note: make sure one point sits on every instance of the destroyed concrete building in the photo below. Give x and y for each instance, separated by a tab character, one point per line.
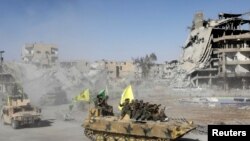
81	65
217	52
156	71
119	69
168	68
159	70
7	81
40	54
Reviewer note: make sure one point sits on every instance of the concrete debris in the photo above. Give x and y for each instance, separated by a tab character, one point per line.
216	52
245	108
222	101
63	83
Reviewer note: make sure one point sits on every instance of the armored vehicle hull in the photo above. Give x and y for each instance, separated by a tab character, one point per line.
21	119
111	128
19	112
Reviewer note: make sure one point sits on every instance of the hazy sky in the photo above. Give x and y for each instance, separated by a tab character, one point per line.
110	29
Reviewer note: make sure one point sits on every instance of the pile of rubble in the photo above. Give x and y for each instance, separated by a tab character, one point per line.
57	81
59	84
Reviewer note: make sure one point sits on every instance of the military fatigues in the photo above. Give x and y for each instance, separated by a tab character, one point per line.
134	108
126	109
139	111
101	103
108	110
162	115
146	112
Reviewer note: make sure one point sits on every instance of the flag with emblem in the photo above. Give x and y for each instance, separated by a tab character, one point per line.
127	93
83	96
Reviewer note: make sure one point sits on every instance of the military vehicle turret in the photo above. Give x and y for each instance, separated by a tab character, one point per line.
113	128
17	111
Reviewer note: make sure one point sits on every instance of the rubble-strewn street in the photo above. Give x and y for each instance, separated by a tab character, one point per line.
54	126
38	83
120	70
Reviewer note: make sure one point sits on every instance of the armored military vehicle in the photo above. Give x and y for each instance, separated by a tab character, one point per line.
18	111
113	128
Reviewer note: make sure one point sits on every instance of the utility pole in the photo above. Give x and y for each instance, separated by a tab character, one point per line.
1	57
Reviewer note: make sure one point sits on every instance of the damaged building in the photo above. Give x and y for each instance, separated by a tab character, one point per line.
81	65
217	52
163	71
7	81
168	69
40	54
119	69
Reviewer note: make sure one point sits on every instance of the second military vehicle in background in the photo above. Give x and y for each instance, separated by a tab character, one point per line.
18	112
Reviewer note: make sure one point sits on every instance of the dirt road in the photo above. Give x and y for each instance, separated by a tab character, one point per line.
59	130
54	128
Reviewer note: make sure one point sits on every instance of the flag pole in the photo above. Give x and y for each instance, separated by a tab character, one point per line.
89	108
107	90
89	104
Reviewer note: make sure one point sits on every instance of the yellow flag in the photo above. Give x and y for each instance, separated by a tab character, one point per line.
84	96
127	93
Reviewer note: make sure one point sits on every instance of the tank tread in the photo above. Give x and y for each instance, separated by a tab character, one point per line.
104	136
178	119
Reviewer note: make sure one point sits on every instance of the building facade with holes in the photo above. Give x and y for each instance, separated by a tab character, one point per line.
40	54
217	51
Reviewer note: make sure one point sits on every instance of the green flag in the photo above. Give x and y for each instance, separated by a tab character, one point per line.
102	94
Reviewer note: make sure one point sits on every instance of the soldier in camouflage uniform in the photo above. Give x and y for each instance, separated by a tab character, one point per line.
139	110
102	104
131	107
146	112
162	115
134	108
99	101
125	108
156	112
107	109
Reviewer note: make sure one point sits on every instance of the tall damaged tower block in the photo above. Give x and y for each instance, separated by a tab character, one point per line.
217	51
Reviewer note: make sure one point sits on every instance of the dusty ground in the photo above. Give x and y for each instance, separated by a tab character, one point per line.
55	128
57	131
